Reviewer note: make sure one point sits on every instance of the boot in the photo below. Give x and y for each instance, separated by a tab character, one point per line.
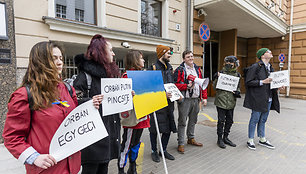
121	171
220	142
228	142
132	168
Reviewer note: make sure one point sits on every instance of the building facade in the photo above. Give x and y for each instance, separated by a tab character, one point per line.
7	57
134	24
241	27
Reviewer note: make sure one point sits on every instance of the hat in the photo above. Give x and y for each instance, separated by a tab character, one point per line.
261	52
231	59
161	50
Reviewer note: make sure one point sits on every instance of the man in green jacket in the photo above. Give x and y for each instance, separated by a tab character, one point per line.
225	102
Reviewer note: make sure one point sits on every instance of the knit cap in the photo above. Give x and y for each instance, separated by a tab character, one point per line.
161	50
261	52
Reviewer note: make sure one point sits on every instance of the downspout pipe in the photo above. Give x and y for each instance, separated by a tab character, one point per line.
290	45
188	46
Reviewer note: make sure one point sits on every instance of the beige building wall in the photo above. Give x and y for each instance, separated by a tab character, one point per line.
120	21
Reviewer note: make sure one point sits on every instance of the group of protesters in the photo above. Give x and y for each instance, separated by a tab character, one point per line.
33	115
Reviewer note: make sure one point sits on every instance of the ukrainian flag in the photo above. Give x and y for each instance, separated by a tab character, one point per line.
149	90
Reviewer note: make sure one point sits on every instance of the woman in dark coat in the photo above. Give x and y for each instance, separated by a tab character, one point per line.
98	63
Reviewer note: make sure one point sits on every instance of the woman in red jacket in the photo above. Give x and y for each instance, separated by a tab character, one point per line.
132	134
28	132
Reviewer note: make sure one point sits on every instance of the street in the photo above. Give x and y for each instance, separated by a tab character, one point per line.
286	131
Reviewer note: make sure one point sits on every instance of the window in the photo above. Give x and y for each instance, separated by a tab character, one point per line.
151	17
79	15
61	11
77	10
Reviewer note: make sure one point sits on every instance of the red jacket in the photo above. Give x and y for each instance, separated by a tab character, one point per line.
146	119
22	132
181	81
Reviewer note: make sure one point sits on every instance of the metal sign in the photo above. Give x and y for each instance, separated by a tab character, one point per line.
281	57
204	32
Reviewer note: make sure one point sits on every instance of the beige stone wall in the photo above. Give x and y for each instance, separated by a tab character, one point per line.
120	15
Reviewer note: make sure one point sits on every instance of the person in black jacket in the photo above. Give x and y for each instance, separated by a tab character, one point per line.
165	117
260	98
98	63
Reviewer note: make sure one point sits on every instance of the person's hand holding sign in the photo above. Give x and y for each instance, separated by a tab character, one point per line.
44	161
97	100
267	80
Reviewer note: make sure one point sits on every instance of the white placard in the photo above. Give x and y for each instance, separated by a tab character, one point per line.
3	26
81	128
117	95
175	92
279	79
227	82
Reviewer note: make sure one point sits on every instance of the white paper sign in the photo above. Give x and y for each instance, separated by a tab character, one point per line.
81	128
227	82
175	92
117	95
3	27
279	79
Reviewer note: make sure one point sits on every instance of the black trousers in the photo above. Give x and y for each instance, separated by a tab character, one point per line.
164	138
95	168
225	121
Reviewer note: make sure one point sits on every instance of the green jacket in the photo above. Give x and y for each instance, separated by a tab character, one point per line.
226	99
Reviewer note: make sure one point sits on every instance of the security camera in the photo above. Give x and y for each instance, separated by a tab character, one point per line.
201	12
125	44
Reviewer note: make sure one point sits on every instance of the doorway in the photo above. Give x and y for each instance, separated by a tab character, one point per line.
211	52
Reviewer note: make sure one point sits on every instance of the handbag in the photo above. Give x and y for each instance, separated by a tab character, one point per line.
128	118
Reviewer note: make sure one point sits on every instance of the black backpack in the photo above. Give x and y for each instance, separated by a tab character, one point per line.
246	69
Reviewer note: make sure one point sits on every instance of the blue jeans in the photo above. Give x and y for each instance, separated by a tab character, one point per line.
259	119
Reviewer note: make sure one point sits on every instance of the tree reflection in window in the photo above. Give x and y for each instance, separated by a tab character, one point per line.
151	17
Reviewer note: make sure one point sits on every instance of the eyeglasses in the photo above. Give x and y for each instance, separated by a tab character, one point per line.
268	51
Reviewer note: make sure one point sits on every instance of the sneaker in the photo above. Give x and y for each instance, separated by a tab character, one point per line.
266	144
155	157
251	146
167	155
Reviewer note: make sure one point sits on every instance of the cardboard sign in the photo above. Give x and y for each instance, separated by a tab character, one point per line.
279	79
117	95
81	128
175	92
227	82
149	90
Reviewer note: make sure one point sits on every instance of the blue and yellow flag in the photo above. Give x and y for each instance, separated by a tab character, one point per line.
149	90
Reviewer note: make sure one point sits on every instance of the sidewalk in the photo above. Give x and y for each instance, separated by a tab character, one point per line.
286	131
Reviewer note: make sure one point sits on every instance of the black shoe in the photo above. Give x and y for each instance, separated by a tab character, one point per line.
220	142
266	144
121	171
132	168
155	157
228	142
167	155
251	146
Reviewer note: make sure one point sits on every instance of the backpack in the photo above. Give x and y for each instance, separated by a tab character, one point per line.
68	83
30	97
88	78
246	69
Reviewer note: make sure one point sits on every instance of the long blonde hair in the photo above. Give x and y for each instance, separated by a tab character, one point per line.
42	75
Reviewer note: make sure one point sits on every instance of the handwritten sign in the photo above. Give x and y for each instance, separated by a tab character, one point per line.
117	95
175	92
279	79
81	128
227	82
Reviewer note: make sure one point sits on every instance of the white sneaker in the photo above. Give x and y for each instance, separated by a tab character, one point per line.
251	145
266	144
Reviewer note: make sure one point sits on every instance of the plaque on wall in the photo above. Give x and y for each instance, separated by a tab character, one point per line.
5	55
3	22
